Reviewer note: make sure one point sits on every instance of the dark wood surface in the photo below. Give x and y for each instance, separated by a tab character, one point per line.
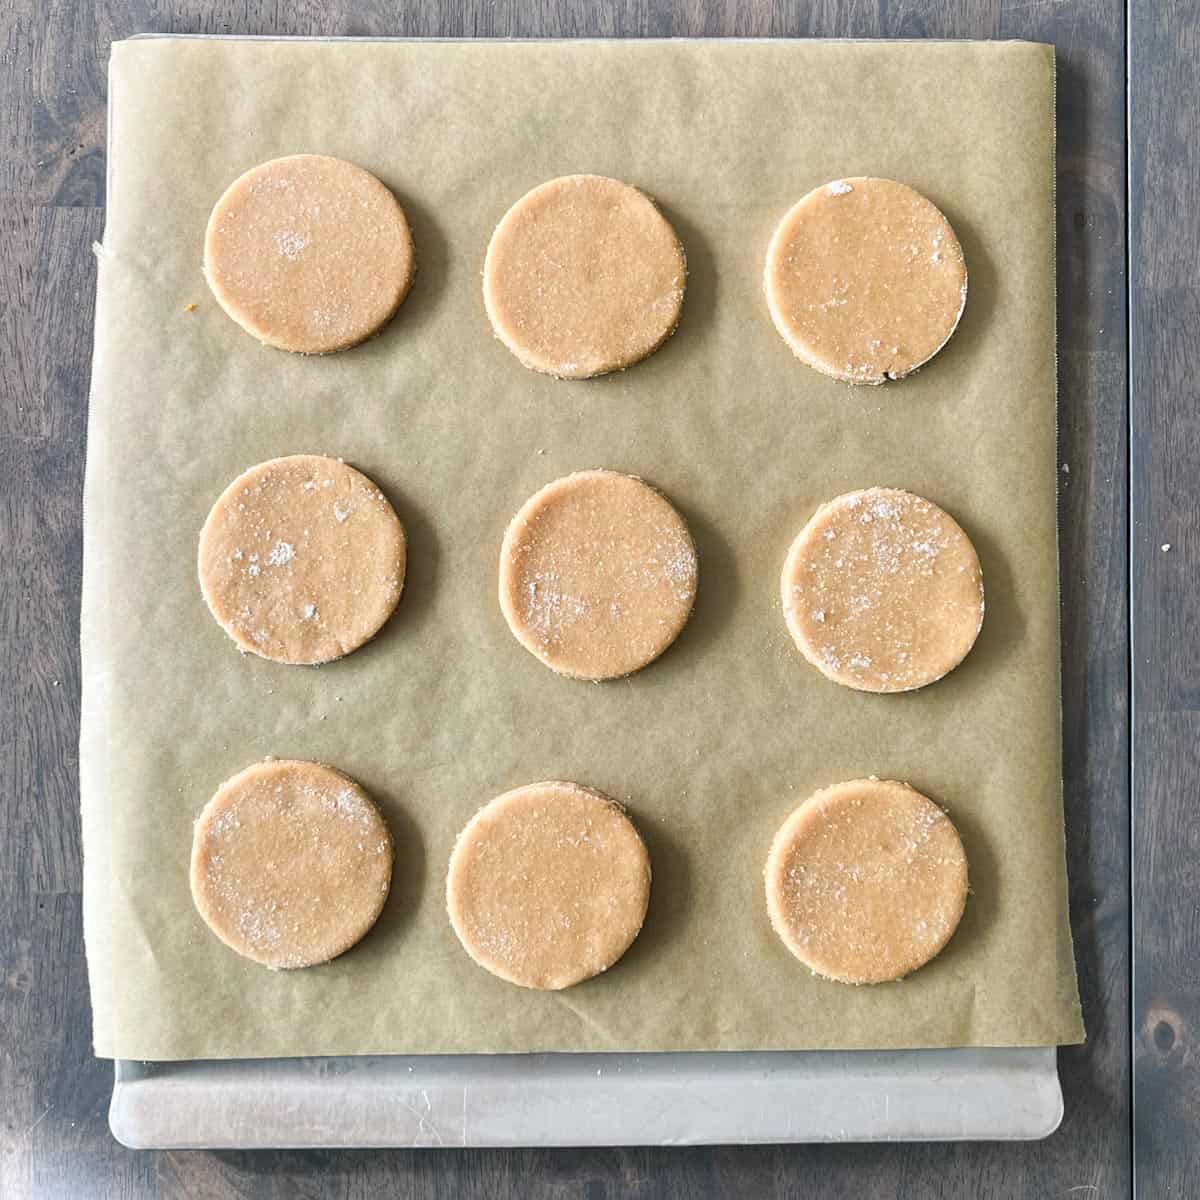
1164	245
54	1139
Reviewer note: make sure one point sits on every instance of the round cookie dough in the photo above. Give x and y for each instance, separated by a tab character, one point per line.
302	559
882	591
548	885
866	881
309	253
865	280
291	863
597	575
583	276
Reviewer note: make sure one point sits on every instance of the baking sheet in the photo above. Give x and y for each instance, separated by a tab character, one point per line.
712	746
589	1099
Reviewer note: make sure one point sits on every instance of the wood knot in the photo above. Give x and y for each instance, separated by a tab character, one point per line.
1166	1033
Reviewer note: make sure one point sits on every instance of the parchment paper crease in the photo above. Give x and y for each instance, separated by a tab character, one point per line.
712	746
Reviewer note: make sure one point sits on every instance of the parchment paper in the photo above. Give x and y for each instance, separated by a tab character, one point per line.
713	745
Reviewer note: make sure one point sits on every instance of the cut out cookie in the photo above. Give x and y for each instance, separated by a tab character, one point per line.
583	276
865	280
597	575
866	881
882	591
302	559
548	885
291	863
309	253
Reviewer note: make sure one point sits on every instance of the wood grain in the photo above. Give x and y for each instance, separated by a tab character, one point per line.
54	1139
1164	238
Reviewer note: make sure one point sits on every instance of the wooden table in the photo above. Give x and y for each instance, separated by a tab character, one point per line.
1122	693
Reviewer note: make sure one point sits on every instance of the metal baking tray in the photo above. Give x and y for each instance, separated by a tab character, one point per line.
589	1099
547	1100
